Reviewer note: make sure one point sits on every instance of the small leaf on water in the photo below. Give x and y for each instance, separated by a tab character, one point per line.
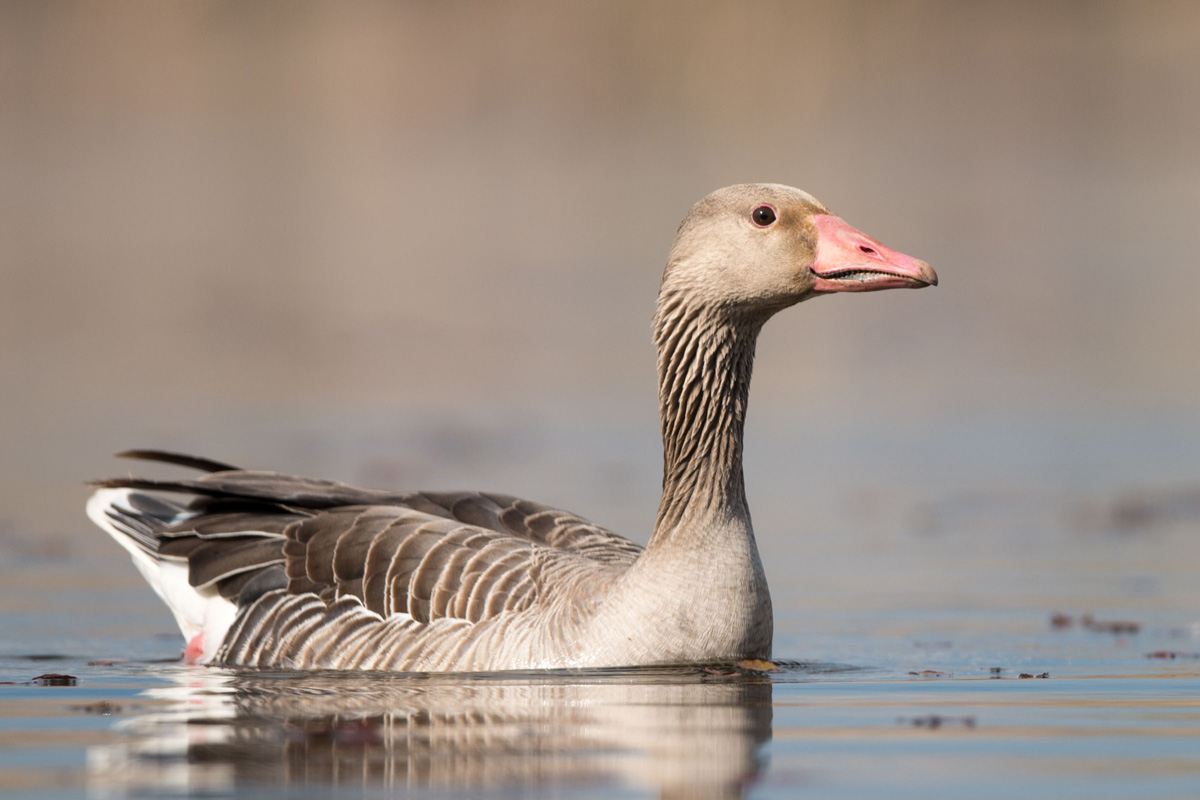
757	665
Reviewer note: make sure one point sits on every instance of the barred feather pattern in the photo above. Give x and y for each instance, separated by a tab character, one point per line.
705	362
426	582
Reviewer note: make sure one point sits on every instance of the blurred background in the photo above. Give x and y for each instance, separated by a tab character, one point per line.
417	244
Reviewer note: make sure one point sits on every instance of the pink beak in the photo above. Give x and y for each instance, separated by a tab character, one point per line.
850	261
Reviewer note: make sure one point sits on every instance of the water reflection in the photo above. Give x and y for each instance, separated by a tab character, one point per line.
676	733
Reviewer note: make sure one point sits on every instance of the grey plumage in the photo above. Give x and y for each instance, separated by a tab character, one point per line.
370	572
304	573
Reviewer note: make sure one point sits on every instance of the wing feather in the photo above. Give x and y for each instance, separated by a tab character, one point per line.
352	546
317	567
449	582
215	561
488	588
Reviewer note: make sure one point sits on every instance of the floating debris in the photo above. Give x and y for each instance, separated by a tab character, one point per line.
1109	626
107	662
54	679
930	673
1060	621
103	708
1171	654
1139	510
1031	675
755	666
935	721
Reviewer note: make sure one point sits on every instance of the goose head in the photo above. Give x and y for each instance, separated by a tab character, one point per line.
753	249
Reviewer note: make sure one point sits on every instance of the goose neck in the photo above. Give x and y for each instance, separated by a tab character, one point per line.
705	360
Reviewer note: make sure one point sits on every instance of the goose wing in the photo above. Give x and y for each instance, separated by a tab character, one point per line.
463	555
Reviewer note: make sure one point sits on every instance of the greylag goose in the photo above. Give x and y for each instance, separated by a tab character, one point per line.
268	570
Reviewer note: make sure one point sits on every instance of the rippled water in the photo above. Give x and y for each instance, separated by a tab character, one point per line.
1106	721
904	630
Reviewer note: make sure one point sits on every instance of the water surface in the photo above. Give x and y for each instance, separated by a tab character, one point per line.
919	655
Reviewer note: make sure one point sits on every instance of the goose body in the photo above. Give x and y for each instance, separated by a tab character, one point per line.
263	569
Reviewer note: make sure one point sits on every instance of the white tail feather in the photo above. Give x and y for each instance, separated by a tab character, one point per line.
199	613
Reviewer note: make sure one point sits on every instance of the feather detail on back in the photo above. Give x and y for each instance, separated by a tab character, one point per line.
309	565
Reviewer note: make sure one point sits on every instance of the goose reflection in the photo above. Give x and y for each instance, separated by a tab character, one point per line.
672	732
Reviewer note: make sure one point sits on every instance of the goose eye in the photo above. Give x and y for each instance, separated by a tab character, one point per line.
763	216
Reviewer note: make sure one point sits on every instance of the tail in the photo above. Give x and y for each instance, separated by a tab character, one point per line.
136	520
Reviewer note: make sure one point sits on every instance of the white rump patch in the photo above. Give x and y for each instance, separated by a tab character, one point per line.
200	612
